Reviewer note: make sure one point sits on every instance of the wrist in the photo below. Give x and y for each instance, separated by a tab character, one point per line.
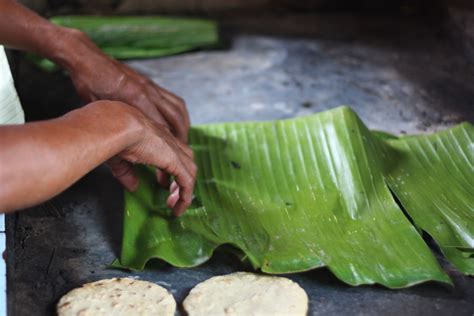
66	47
127	120
116	124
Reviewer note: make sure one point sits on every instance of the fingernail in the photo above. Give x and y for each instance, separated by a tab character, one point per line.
173	199
173	186
175	194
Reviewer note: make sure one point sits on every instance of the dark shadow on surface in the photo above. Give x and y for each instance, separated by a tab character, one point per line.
111	201
39	244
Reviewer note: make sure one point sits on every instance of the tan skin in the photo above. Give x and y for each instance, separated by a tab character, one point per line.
137	122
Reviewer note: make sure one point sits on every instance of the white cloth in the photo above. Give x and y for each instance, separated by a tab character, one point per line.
11	111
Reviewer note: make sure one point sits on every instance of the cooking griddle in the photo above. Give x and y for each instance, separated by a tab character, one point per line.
399	74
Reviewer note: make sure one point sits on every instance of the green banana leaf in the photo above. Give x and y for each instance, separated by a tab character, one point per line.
434	182
315	191
129	37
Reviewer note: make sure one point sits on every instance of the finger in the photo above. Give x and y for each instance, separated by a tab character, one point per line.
183	154
171	114
181	108
171	95
188	162
187	150
168	156
123	171
173	187
185	192
163	178
175	115
185	182
177	102
173	199
147	107
181	205
137	96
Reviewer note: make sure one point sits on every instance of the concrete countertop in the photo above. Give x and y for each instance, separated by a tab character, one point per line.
400	76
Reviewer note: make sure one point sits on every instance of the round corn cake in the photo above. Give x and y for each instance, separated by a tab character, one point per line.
117	296
246	294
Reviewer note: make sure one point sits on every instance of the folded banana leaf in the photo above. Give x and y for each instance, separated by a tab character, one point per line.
129	37
434	181
315	191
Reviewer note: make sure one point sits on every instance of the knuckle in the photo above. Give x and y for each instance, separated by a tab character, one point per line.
188	183
138	91
175	116
119	88
173	169
129	88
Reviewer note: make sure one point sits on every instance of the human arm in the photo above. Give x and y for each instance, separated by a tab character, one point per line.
95	75
40	160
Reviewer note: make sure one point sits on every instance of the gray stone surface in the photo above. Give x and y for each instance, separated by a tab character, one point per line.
265	78
71	240
400	78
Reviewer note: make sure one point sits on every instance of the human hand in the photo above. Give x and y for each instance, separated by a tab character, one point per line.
96	76
156	146
77	142
86	137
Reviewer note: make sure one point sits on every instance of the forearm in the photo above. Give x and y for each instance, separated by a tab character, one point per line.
25	30
39	160
22	28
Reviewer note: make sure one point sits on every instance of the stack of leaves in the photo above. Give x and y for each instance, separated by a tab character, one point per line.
125	37
316	191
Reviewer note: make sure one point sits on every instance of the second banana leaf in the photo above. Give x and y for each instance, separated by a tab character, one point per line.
135	37
316	191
